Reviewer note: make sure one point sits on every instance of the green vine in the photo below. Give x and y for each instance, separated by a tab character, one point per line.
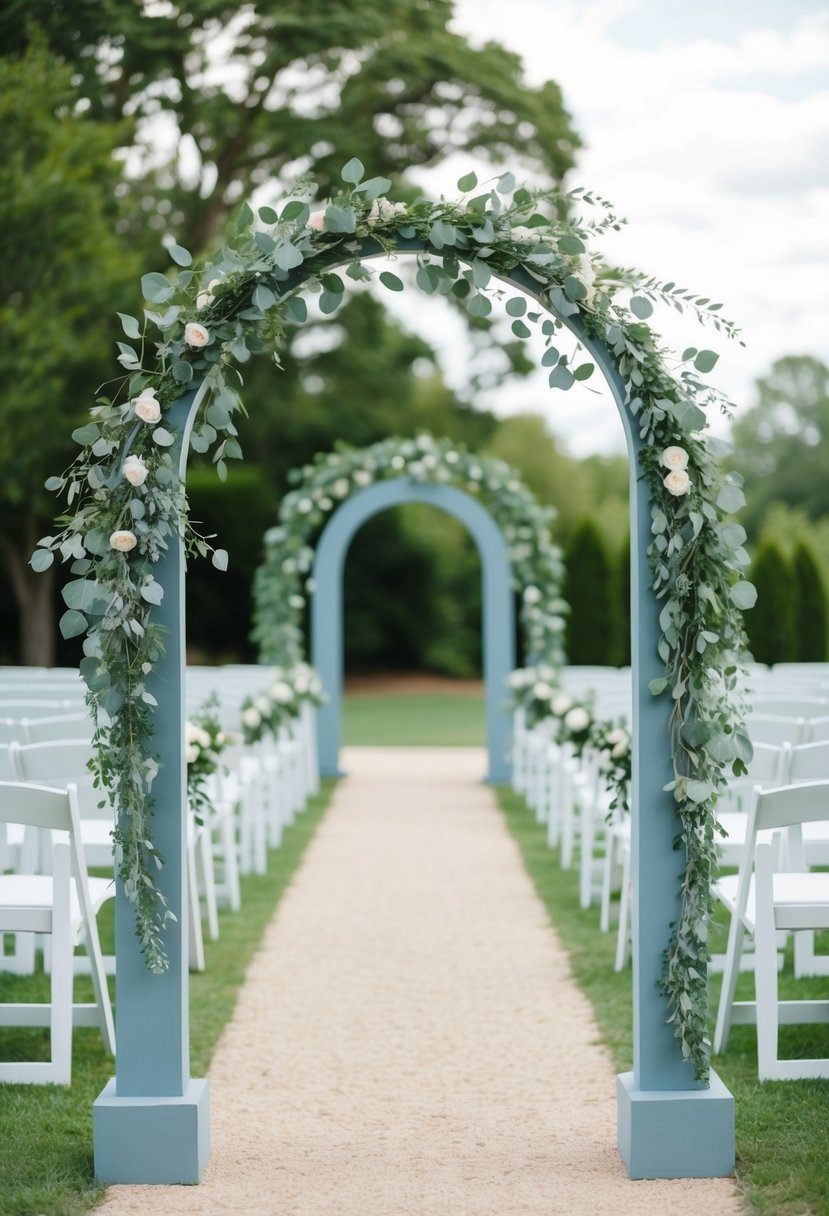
203	323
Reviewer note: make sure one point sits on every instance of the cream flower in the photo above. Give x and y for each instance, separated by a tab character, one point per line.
675	458
560	704
282	693
251	717
620	749
617	735
263	705
541	690
362	477
123	540
196	335
146	406
134	470
577	719
532	595
677	483
316	220
191	753
587	277
382	210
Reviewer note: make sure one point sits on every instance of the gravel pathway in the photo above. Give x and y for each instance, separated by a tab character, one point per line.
409	1041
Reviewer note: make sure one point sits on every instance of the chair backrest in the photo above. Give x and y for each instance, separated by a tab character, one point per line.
767	767
60	763
57	727
9	730
775	729
20	707
809	762
7	769
792	706
38	806
790	805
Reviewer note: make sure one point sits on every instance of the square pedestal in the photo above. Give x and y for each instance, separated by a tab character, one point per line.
152	1140
675	1133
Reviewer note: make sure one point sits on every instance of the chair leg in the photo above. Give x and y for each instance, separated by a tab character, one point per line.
731	971
62	974
620	961
765	967
204	862
195	937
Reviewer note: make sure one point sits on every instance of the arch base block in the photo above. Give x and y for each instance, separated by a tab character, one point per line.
152	1140
679	1133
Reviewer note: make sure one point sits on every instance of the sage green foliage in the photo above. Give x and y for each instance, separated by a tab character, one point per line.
589	589
205	320
771	628
812	617
780	1128
281	582
46	1130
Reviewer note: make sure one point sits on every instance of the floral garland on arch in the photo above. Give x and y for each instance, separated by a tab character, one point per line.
283	579
126	505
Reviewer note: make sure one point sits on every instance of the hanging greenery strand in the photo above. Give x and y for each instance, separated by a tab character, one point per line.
125	503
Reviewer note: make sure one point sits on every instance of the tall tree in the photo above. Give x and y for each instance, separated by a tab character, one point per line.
780	444
588	590
771	623
63	270
222	102
811	622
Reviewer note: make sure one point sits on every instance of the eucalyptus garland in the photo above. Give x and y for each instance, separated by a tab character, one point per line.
283	580
125	503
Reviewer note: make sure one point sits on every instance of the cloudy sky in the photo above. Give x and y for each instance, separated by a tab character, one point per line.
707	125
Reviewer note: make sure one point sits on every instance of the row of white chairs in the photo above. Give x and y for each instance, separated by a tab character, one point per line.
52	830
789	727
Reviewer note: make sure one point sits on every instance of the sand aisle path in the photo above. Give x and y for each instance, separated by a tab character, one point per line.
409	1041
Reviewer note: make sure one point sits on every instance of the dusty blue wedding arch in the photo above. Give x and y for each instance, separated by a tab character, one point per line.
152	1119
497	599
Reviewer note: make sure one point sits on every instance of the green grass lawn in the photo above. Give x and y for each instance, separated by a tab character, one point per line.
46	1131
782	1127
412	719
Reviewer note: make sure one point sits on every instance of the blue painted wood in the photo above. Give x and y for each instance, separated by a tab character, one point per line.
497	598
152	1011
674	1133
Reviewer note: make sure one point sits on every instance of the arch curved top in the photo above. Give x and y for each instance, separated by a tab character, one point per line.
497	598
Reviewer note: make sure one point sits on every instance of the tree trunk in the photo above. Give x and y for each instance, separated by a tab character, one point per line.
34	595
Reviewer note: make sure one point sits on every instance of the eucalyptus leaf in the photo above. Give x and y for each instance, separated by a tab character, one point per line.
163	438
157	288
743	595
352	171
340	219
468	182
72	624
180	255
41	560
129	325
640	307
391	280
219	559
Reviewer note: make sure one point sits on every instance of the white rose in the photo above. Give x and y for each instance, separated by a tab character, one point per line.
675	458
191	732
263	705
196	335
282	693
620	749
587	277
362	478
603	762
532	595
382	210
340	488
617	735
289	566
677	483
560	704
397	462
517	679
316	220
146	406
123	540
203	737
325	504
192	753
251	717
577	719
134	470
541	690
304	506
451	457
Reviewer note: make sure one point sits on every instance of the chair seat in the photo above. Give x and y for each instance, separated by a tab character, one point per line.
792	893
30	893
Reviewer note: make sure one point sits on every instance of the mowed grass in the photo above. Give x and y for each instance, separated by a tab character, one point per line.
413	719
782	1127
46	1164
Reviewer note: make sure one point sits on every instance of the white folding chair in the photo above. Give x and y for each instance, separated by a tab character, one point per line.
791	705
819	729
56	727
810	762
776	729
765	899
62	905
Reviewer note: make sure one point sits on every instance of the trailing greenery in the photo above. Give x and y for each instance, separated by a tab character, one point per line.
46	1161
126	505
282	580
